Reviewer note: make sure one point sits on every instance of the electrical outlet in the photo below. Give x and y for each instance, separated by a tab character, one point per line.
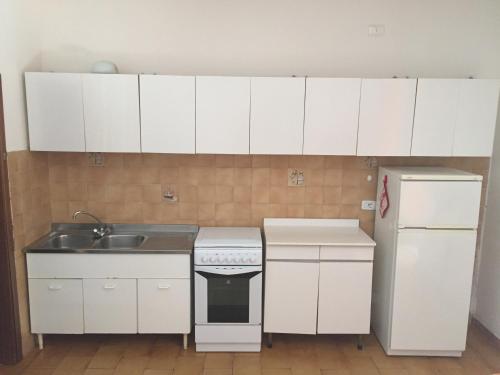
96	159
368	205
295	177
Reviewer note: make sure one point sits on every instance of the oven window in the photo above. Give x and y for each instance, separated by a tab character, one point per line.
228	297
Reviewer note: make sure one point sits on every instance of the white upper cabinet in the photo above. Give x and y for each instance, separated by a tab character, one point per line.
476	118
167	114
55	112
435	117
455	117
277	115
222	115
331	116
386	117
111	109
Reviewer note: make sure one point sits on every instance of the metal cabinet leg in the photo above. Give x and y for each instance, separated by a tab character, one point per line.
40	341
185	341
360	342
269	340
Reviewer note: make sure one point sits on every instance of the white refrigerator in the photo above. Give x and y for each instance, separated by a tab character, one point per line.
424	259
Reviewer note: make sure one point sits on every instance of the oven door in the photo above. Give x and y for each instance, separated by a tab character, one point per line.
228	294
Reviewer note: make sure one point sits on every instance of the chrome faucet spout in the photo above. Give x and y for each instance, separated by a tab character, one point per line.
99	232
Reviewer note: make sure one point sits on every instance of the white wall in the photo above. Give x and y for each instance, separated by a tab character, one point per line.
19	51
488	290
445	38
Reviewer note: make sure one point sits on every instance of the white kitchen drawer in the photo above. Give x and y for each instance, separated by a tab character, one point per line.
172	266
56	306
346	253
344	297
243	334
110	305
292	252
164	305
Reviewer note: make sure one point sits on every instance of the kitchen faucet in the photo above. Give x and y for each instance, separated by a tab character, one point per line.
99	232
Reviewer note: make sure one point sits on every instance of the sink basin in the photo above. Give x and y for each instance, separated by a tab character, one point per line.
120	241
70	241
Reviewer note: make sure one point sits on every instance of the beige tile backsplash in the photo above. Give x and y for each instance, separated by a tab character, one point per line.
221	190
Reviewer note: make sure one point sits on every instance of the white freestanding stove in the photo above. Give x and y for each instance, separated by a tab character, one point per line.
228	289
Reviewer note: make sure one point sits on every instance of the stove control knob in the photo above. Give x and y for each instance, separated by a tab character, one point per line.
204	259
211	259
253	260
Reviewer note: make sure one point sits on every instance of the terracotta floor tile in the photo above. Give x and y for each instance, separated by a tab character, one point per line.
218	371
72	365
219	361
131	366
162	362
158	372
105	361
276	372
290	355
98	372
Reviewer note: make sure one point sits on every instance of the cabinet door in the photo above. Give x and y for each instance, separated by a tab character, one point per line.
110	305
222	115
111	109
167	114
331	116
277	115
164	305
435	117
476	118
432	289
386	117
55	111
291	297
56	305
344	297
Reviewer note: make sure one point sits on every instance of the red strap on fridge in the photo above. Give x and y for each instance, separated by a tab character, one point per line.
384	199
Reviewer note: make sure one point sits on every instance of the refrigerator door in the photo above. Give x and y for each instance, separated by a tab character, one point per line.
439	204
432	289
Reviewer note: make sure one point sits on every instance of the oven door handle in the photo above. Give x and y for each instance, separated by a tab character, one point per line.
227	270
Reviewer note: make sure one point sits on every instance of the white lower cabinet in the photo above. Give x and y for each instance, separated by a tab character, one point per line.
109	293
344	297
318	289
56	305
164	305
110	305
291	296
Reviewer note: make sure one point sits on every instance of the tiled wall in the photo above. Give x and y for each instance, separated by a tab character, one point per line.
220	190
31	218
212	190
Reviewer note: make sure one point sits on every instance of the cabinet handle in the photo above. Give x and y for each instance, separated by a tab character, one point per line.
163	286
109	286
55	287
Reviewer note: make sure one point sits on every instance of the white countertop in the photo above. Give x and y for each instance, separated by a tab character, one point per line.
325	232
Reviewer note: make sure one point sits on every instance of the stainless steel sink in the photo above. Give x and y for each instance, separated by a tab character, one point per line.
120	241
70	241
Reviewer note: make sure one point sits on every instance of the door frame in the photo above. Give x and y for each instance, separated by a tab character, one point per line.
10	332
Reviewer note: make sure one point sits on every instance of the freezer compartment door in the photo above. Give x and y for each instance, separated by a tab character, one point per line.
439	204
432	289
